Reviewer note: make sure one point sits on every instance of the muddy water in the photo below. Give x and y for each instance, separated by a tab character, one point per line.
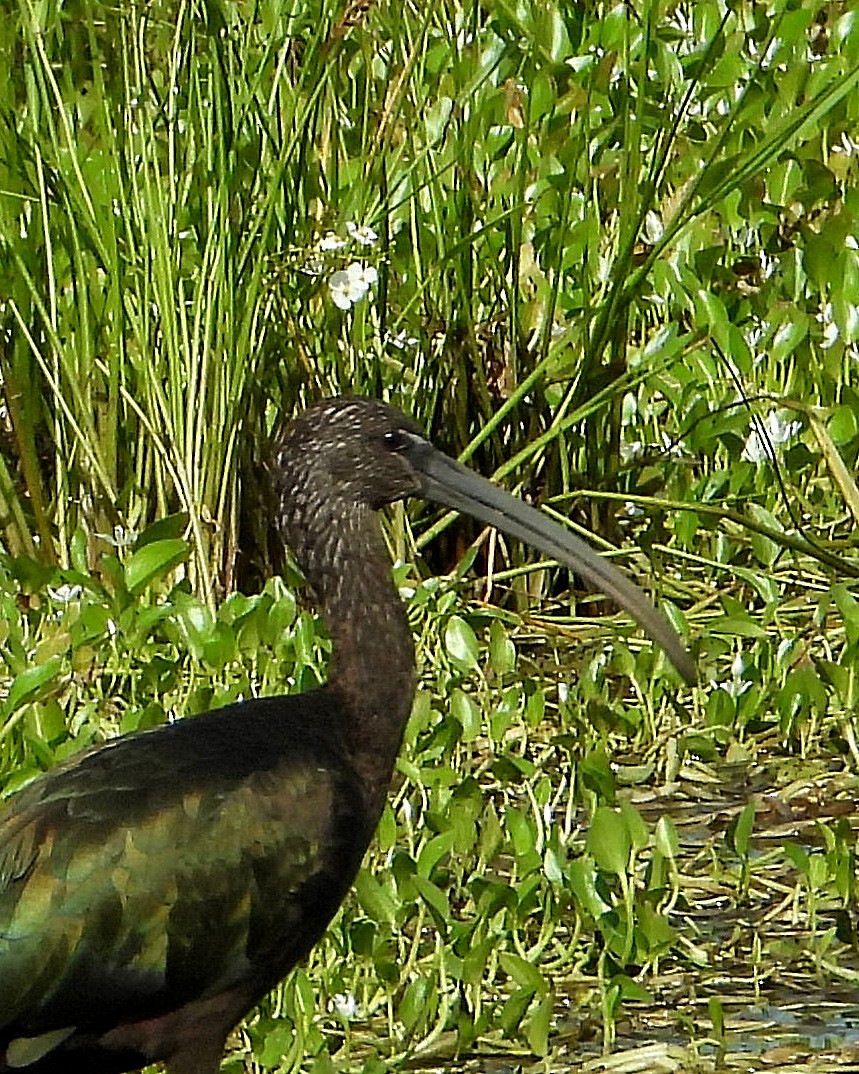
772	982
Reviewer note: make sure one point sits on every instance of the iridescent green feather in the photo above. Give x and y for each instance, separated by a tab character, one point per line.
126	900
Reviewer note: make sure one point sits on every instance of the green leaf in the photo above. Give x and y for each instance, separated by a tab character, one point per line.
464	709
376	903
169	527
843	426
539	1024
526	975
28	684
739	833
609	840
435	898
502	651
153	561
461	643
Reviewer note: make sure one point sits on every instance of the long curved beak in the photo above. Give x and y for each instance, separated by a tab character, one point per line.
450	483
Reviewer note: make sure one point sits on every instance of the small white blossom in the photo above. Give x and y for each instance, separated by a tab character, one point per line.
366	236
830	328
761	443
734	687
65	593
402	340
346	1006
848	146
737	685
120	538
331	242
312	266
653	229
350	286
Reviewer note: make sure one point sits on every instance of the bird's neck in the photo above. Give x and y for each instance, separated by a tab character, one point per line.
372	664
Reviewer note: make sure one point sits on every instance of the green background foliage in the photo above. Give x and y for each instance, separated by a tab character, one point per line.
617	267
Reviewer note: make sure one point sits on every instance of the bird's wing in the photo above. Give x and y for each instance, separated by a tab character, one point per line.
132	882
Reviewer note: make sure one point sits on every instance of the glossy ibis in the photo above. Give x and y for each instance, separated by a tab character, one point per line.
155	888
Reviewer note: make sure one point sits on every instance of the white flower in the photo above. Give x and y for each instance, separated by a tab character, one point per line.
331	242
848	146
631	450
312	266
65	593
351	286
737	685
761	443
120	538
733	687
830	328
366	236
402	340
346	1006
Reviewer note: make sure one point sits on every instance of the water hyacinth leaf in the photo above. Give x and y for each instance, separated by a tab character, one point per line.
502	651
535	706
195	621
460	643
168	528
655	929
412	1007
48	720
29	684
848	605
376	903
667	840
436	900
639	833
552	866
467	713
596	774
386	832
526	975
609	840
432	852
521	831
843	426
539	1024
739	832
629	989
276	1044
153	561
514	1010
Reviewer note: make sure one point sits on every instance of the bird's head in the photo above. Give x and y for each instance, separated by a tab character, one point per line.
352	450
345	456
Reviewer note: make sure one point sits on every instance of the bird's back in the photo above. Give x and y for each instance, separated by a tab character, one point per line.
192	864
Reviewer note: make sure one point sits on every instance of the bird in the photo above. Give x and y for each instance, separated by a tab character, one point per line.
155	887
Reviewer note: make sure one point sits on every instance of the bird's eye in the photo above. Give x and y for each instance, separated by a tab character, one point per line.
395	440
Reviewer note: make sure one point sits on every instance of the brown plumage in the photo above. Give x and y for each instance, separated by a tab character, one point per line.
155	888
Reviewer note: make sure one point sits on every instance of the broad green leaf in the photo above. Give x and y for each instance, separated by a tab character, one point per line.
461	643
28	684
502	651
609	841
464	709
525	974
153	562
377	903
539	1025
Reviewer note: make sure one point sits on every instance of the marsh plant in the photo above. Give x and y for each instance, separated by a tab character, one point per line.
608	254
